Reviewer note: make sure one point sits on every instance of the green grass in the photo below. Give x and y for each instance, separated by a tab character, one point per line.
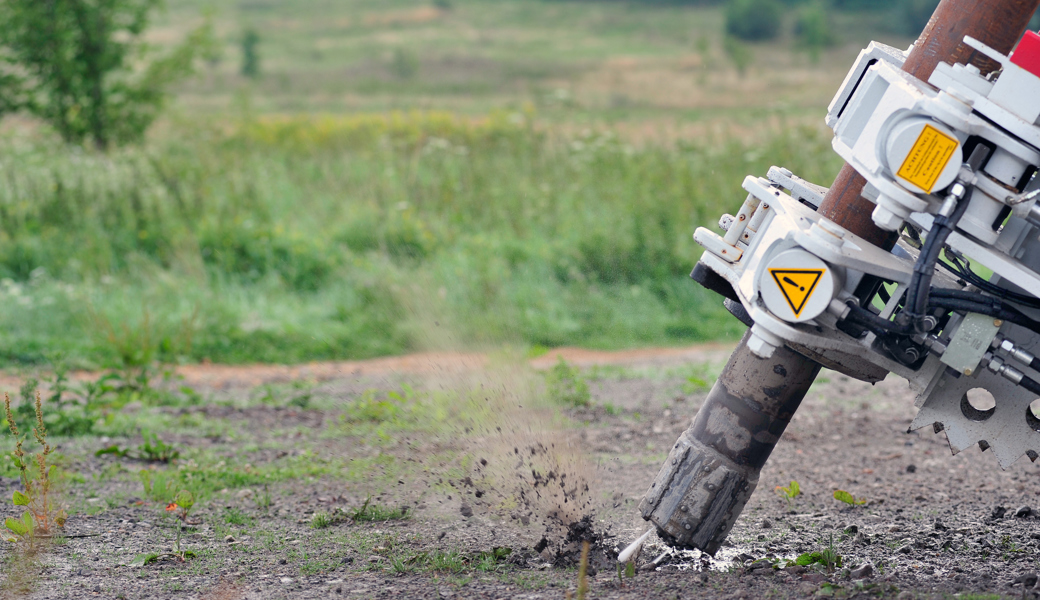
545	196
286	240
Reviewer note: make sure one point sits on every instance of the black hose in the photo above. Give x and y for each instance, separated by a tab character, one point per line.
995	309
1030	384
865	318
965	273
924	268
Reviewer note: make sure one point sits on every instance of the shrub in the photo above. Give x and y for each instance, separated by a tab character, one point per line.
566	385
813	28
754	20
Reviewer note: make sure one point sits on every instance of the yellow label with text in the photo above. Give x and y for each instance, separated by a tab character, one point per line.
928	158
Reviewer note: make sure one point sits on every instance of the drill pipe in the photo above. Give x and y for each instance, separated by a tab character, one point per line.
713	468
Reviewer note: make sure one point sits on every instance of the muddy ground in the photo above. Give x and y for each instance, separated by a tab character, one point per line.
512	478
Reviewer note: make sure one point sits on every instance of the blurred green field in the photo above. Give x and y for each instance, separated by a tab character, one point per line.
405	176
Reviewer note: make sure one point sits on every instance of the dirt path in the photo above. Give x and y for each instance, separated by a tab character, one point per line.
476	455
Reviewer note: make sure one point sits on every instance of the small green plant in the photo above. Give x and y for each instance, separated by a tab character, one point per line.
370	512
155	450
321	520
790	492
263	499
828	558
370	407
566	386
489	560
847	498
41	512
235	516
152	449
67	417
180	508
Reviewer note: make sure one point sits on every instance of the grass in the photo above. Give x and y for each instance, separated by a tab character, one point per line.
403	177
350	237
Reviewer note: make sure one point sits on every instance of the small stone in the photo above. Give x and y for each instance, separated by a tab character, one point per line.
795	570
1023	512
282	561
911	468
286	580
895	529
905	549
374	559
863	572
1027	580
466	510
762	563
766	524
998	512
229	538
906	596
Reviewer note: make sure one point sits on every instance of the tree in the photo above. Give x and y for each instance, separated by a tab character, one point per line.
82	66
754	20
250	56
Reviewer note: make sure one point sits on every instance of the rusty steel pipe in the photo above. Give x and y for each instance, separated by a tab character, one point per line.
713	468
998	23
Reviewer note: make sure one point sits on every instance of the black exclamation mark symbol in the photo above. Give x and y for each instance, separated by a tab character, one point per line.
788	281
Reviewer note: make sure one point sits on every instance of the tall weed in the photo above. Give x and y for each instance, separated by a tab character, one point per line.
298	238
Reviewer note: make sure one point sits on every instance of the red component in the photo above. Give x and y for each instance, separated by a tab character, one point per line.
1027	55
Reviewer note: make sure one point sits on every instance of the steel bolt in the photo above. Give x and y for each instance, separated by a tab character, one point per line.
711	487
687	526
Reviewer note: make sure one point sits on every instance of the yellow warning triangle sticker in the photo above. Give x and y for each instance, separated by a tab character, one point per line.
797	285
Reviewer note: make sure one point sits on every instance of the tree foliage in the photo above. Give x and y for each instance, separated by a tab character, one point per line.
82	66
754	20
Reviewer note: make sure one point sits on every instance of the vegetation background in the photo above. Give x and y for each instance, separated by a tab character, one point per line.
352	178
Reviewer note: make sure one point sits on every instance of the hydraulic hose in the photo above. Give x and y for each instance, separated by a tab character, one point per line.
924	269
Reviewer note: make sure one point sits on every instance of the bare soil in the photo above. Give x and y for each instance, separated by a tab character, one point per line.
932	525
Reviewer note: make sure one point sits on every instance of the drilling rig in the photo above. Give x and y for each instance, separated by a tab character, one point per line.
922	259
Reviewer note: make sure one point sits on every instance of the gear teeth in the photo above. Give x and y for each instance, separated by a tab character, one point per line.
1006	431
